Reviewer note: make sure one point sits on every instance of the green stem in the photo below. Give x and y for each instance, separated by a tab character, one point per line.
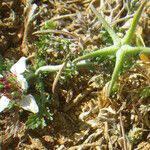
127	38
115	38
101	52
48	68
120	56
144	49
133	50
54	68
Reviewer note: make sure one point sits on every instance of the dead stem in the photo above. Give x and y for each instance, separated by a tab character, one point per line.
59	17
121	19
31	56
88	145
55	83
73	1
79	98
107	136
90	4
29	11
119	14
56	32
123	132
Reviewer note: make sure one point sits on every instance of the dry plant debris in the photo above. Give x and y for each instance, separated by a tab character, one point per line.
84	118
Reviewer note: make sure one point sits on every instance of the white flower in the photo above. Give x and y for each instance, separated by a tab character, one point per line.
27	102
4	101
17	69
23	82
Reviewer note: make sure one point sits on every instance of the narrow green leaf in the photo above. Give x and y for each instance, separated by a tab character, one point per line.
115	38
101	52
127	38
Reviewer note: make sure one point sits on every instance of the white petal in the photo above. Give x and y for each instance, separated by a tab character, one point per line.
4	101
19	67
1	76
23	82
28	103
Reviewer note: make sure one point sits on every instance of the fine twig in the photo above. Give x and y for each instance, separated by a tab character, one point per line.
55	82
123	132
58	18
94	144
56	32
